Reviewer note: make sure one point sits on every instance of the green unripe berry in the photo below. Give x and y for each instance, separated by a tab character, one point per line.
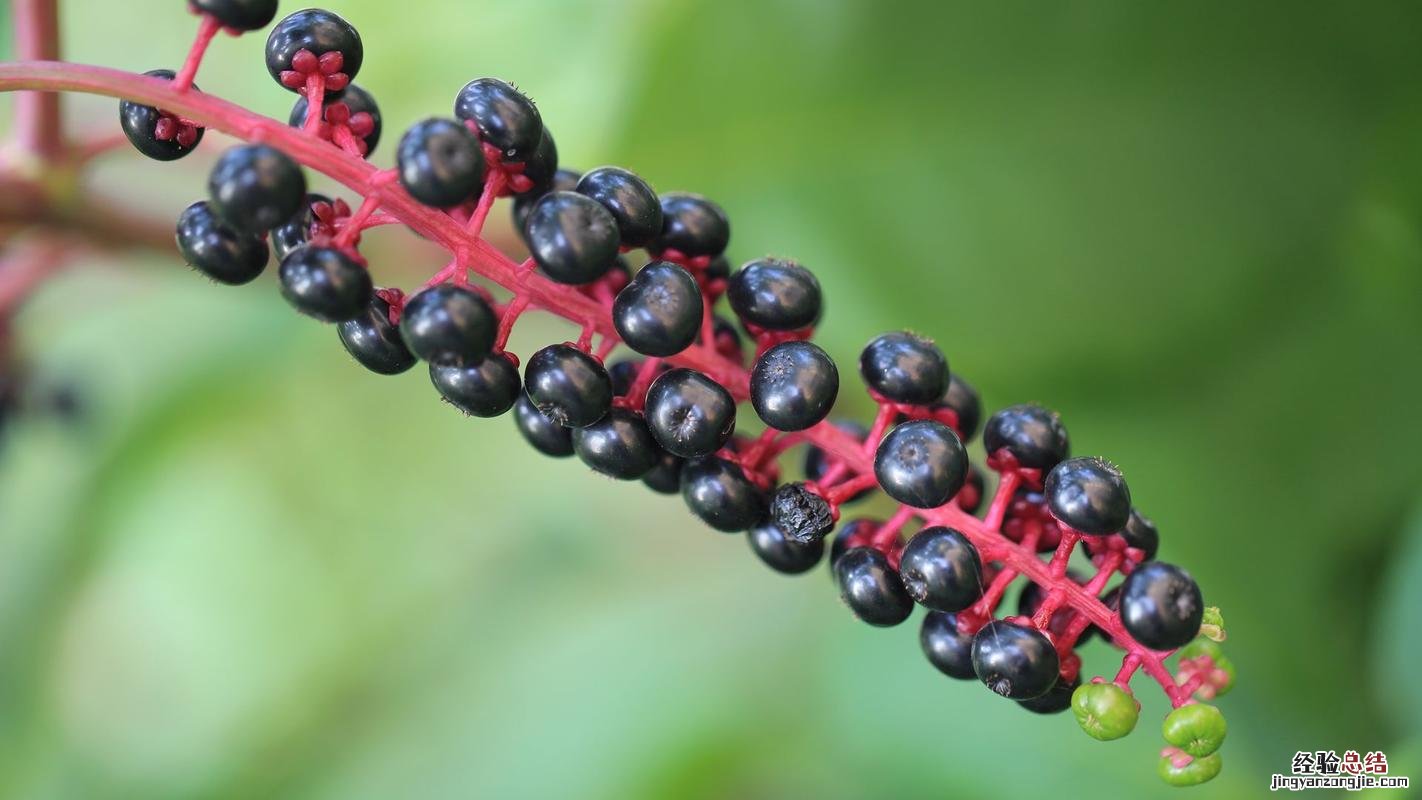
1197	729
1104	710
1205	648
1202	647
1196	772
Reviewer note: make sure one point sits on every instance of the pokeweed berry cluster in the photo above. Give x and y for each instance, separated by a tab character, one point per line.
667	415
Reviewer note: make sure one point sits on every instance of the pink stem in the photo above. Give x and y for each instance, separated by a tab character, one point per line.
38	125
493	184
356	223
207	29
1006	488
315	101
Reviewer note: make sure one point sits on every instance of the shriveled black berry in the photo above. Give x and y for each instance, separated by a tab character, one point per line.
941	569
871	588
1140	532
632	202
618	445
803	515
775	294
781	553
563	180
793	385
254	188
448	324
1161	606
719	493
572	237
320	32
921	463
324	283
904	367
217	251
692	225
1015	661
506	118
569	386
485	388
1088	495
1056	700
545	435
440	163
1032	434
374	342
665	476
296	231
242	15
963	399
357	101
944	647
659	312
141	125
690	414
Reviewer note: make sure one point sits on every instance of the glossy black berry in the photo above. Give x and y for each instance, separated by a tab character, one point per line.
665	476
947	649
775	294
1056	700
803	515
921	463
1161	606
154	133
254	188
320	32
440	163
793	385
720	494
1032	434
1140	532
632	202
242	15
541	169
563	180
659	312
618	445
905	367
941	569
216	250
692	225
296	231
324	283
356	101
448	324
569	386
485	388
963	399
781	553
871	588
1088	495
374	342
1013	660
506	118
690	414
545	435
572	237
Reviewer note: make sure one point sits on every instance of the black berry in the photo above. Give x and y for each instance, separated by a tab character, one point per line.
963	399
1031	434
947	649
506	118
921	463
775	294
440	163
632	202
659	312
374	342
541	168
852	534
216	250
569	386
1056	700
905	368
1088	495
793	385
355	101
1013	660
803	515
572	237
242	15
690	414
448	324
692	226
665	476
324	283
1140	532
296	231
720	494
485	388
319	32
563	180
941	569
781	553
545	435
254	188
1161	606
871	588
618	445
157	134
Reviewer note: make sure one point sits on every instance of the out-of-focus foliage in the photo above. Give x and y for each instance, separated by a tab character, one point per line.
1195	229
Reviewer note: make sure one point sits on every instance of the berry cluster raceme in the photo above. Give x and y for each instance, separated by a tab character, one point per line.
668	414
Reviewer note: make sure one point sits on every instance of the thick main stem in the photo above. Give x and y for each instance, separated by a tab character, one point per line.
38	126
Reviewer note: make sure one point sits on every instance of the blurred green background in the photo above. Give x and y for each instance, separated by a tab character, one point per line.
256	570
